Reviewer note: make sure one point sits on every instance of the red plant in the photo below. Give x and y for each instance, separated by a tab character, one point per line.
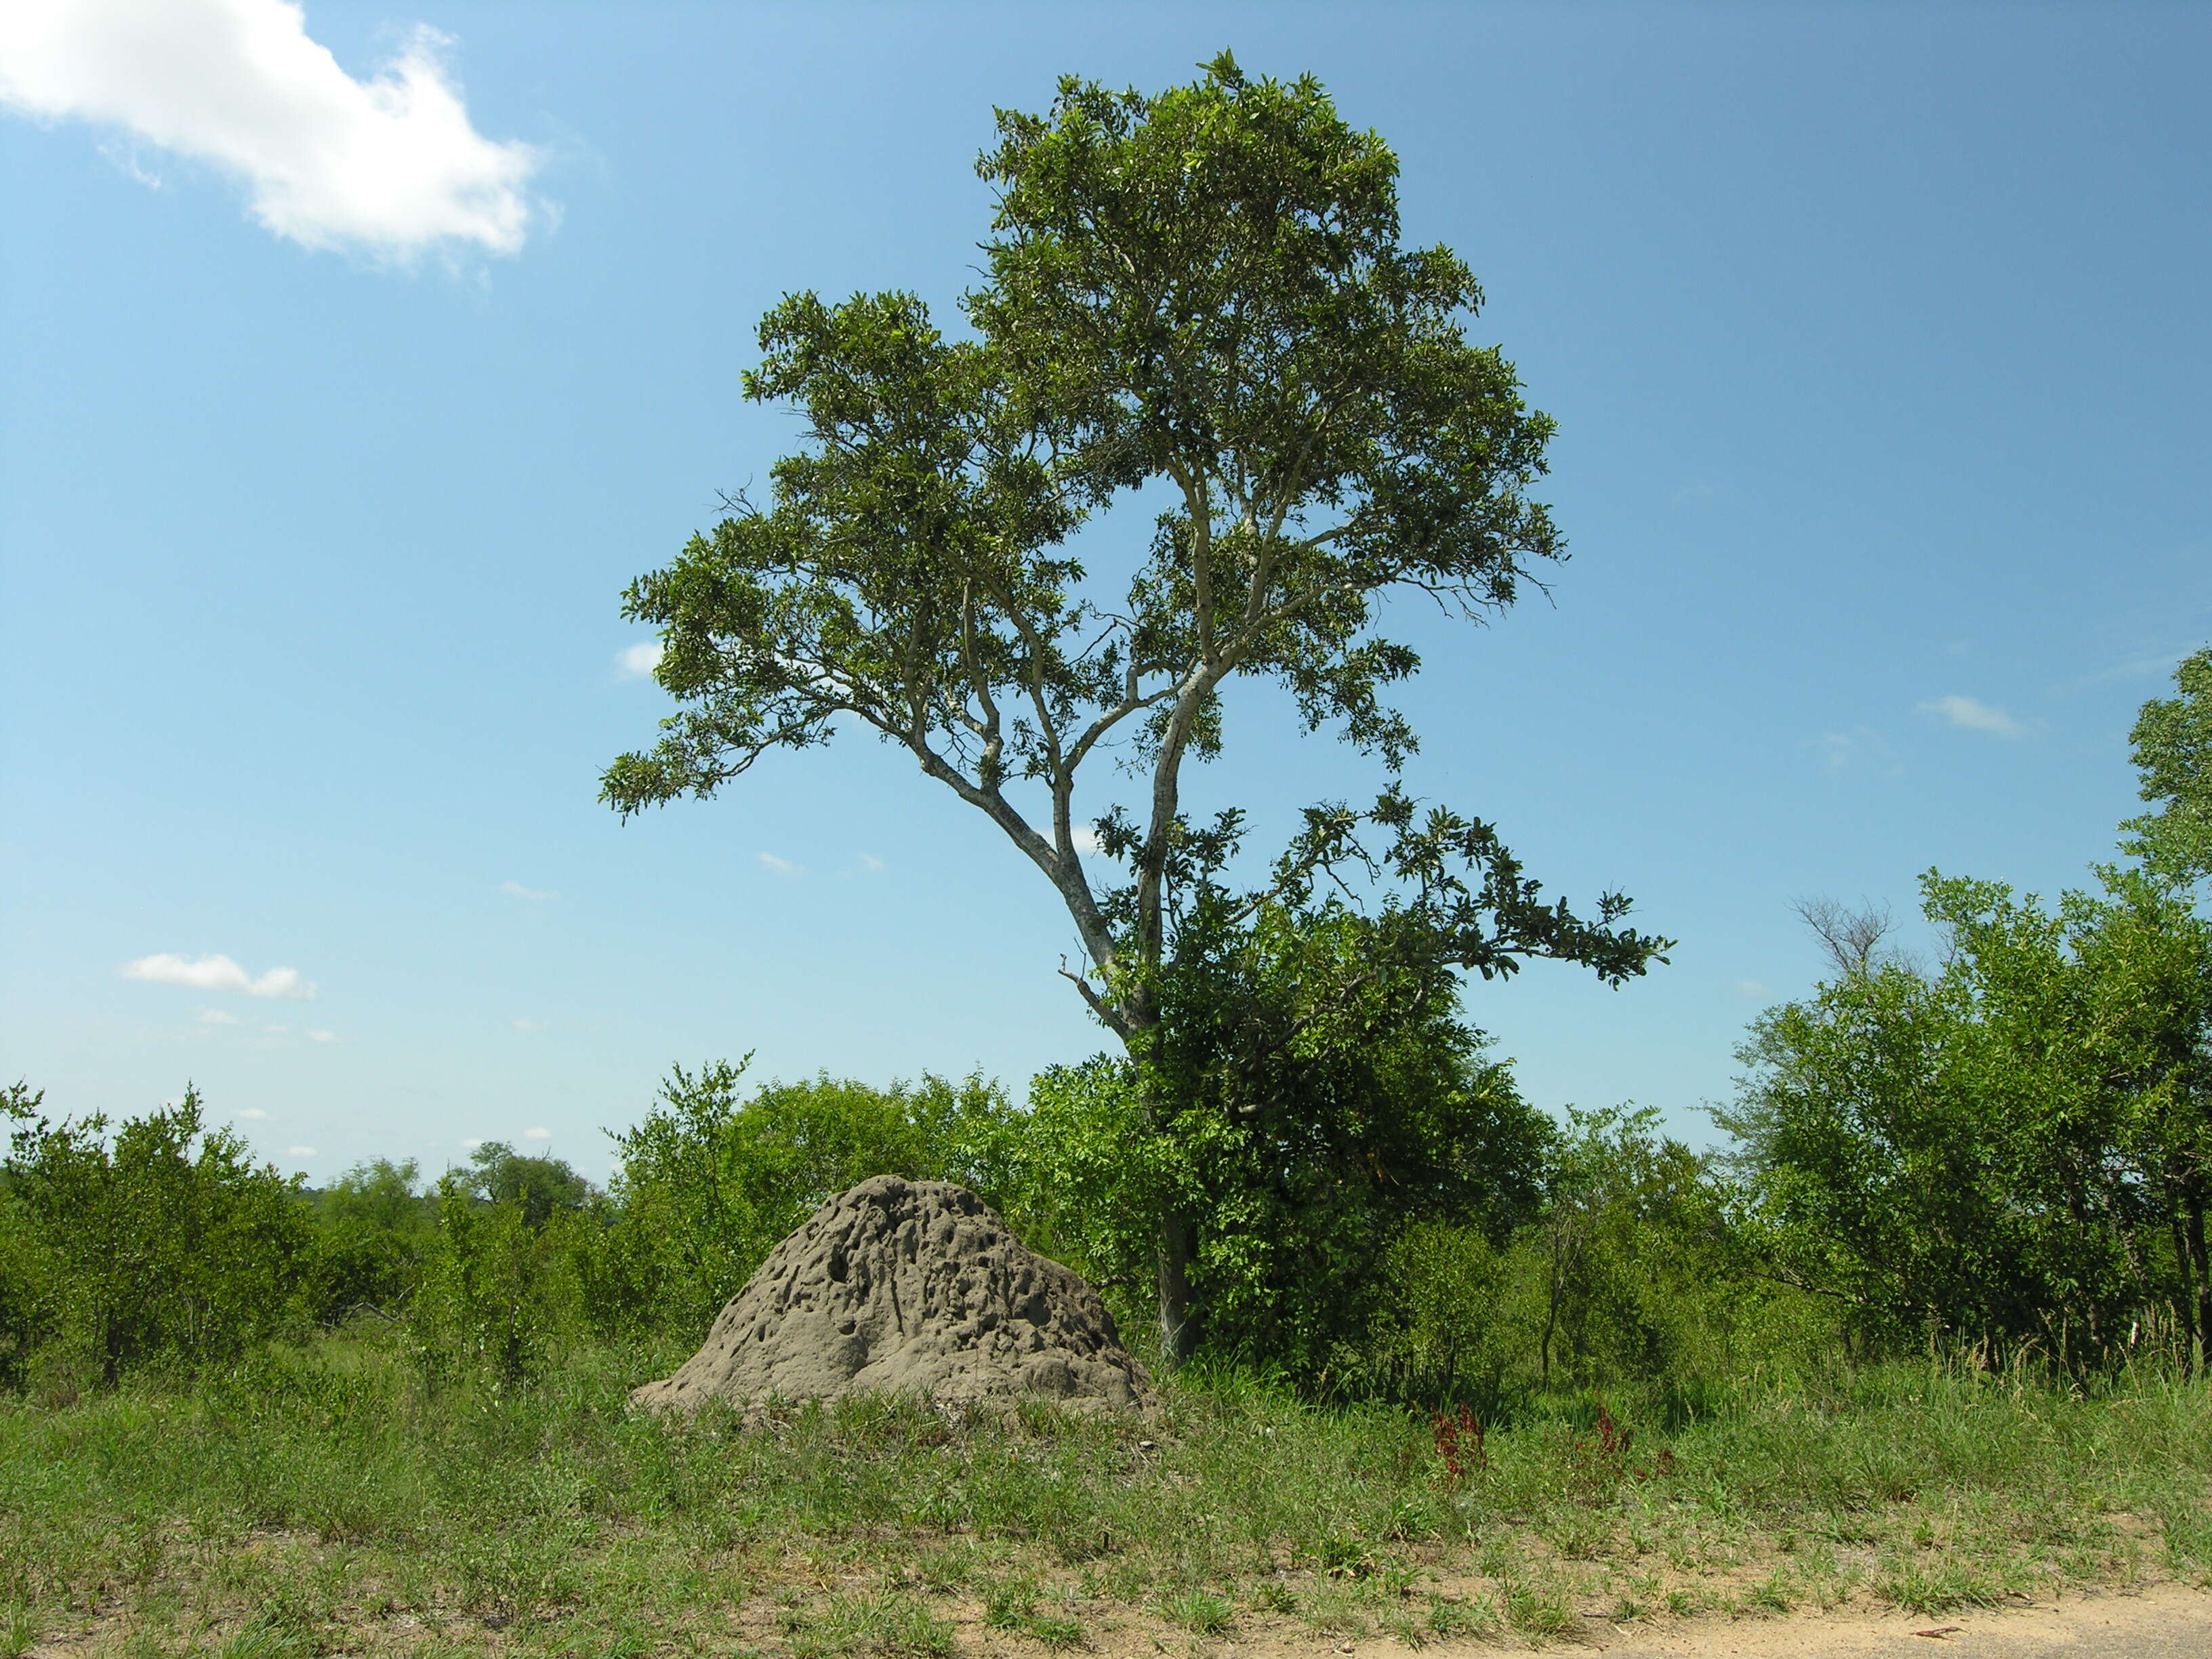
1458	1443
1612	1439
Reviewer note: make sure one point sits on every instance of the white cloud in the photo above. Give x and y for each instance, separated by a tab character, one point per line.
218	973
535	894
390	165
252	1115
473	1145
217	1016
1749	989
529	1025
1084	837
638	661
317	1036
1973	716
538	1134
870	864
781	867
299	1151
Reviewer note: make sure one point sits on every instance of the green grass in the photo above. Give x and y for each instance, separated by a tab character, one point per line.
322	1500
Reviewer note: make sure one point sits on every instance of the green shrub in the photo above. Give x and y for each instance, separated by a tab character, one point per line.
162	1241
710	1182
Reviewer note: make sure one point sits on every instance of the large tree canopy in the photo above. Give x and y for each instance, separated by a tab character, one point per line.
1203	292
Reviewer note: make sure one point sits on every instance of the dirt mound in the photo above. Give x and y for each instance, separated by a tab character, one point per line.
900	1286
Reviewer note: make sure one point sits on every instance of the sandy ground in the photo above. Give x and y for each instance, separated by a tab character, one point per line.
2168	1621
2161	1622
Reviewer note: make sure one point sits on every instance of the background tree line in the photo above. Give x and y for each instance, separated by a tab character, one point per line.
2006	1151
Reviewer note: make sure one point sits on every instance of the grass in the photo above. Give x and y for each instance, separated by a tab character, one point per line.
322	1500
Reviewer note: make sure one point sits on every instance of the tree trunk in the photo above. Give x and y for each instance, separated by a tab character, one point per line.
1178	1319
2200	1275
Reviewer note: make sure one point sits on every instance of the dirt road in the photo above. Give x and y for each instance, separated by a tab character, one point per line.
2165	1622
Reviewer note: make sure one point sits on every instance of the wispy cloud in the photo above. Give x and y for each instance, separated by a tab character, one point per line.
1084	837
637	662
781	867
390	165
217	1016
535	894
252	1115
315	1034
529	1025
1840	748
1971	714
539	1133
1749	989
2138	668
300	1151
871	865
218	973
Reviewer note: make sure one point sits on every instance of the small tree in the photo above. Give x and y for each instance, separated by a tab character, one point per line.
1204	292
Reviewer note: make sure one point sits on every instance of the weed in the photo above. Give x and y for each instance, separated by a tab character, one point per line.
264	1640
2187	1529
1199	1612
1770	1594
1580	1534
1459	1440
1938	1583
1449	1617
1540	1610
1009	1604
1273	1595
893	1626
1058	1632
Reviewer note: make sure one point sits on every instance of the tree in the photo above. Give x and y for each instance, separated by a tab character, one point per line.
2015	1147
373	1230
1204	293
539	1187
1303	1113
2173	743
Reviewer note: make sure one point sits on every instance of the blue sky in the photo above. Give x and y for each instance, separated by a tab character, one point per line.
1876	337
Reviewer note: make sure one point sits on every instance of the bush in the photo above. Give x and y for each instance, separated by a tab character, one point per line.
160	1242
710	1183
505	1276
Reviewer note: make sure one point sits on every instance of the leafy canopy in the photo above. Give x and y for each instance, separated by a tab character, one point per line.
2173	742
1205	293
